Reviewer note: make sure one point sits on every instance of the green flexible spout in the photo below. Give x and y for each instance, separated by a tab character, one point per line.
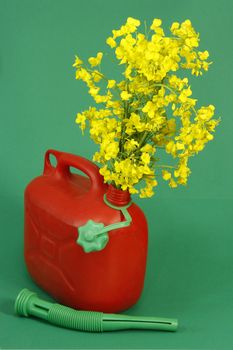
28	304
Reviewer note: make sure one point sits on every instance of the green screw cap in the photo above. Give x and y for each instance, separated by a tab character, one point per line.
28	304
93	236
90	238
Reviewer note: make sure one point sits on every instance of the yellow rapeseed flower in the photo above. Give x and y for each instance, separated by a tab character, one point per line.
145	157
95	61
77	62
111	42
125	95
133	21
151	110
156	23
166	175
111	83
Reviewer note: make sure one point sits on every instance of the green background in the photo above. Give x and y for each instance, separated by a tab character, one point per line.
190	264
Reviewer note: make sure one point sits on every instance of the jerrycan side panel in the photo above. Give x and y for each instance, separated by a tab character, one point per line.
51	203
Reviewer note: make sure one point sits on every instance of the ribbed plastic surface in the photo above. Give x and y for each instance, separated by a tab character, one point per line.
81	320
28	304
22	300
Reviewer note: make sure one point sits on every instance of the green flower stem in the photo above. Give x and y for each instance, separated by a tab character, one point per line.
96	72
194	110
167	87
166	166
147	32
111	164
135	152
126	115
143	139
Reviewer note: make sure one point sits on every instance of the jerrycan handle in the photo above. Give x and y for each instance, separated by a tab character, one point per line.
67	160
48	167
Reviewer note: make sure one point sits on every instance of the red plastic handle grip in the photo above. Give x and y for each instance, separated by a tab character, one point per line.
48	167
67	160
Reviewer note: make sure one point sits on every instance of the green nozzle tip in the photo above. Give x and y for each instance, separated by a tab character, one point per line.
22	302
120	322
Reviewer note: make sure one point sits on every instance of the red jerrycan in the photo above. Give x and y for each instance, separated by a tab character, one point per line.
85	241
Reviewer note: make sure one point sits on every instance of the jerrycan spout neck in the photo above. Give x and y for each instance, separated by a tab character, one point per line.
117	197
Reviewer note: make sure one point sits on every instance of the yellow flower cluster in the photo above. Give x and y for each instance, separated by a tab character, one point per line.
151	111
